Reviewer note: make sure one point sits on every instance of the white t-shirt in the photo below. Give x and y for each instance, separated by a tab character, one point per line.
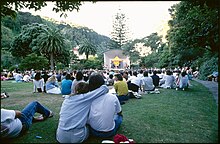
169	81
26	78
13	124
148	83
102	112
38	84
136	81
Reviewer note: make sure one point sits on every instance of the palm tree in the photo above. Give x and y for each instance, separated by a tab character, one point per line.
51	43
87	48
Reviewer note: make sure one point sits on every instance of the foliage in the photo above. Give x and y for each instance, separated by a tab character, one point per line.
25	41
129	49
32	61
120	31
150	60
153	41
193	30
52	44
208	67
77	36
87	48
6	37
7	60
59	6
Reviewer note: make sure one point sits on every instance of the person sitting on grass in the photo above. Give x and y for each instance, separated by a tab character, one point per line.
19	77
121	88
169	80
74	112
52	86
79	78
183	81
147	83
156	78
66	84
105	116
15	123
38	83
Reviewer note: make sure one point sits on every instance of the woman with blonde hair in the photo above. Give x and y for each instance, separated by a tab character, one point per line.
52	86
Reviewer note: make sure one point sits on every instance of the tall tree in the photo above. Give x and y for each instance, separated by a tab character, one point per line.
120	32
87	48
51	43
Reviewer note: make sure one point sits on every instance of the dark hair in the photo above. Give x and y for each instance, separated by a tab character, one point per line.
135	73
95	81
155	72
145	74
141	71
119	77
79	75
37	76
183	73
169	72
68	76
81	88
111	76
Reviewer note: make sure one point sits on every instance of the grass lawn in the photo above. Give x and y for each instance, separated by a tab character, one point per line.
169	117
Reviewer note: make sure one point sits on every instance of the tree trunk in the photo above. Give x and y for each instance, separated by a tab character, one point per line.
51	62
87	56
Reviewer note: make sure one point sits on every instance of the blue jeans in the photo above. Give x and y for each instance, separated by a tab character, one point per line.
122	98
118	120
28	112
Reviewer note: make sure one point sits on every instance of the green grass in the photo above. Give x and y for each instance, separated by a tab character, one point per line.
169	117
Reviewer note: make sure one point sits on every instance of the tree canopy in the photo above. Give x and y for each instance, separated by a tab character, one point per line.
59	6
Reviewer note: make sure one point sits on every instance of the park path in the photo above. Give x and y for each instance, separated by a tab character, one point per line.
212	86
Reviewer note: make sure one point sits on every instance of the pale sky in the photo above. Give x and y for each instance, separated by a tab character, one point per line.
144	17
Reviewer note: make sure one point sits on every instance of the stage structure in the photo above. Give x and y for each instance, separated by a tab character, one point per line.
115	60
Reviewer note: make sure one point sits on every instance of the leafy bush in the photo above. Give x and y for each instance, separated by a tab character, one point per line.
32	61
208	67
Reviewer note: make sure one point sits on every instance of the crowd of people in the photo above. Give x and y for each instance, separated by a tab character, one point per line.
89	107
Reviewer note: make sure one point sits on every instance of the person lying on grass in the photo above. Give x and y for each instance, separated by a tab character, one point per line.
74	112
15	123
